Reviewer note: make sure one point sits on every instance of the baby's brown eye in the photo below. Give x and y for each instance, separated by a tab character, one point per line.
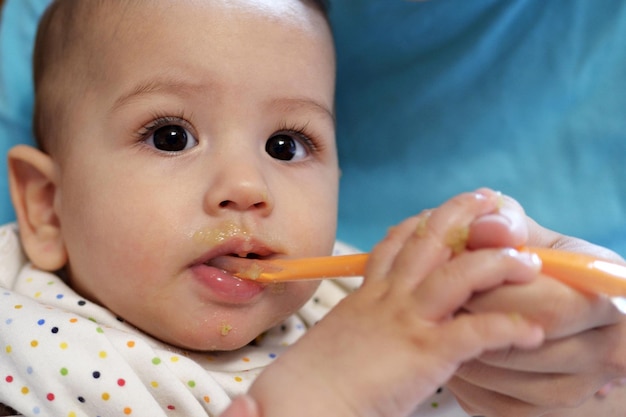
285	147
172	138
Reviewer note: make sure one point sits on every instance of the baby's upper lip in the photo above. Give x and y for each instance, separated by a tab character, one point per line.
243	247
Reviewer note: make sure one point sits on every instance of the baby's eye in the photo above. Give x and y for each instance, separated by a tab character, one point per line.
171	138
285	148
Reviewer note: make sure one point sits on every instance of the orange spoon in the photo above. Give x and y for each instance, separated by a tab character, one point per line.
583	272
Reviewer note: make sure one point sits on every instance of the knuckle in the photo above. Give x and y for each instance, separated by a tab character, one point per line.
614	341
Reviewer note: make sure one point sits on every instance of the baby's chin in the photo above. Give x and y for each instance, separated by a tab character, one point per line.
223	336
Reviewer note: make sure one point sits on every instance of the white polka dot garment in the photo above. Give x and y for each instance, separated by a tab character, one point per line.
63	356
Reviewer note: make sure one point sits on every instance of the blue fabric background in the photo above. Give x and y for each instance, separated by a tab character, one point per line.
17	32
444	96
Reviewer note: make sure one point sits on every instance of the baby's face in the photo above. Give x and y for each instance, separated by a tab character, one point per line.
209	131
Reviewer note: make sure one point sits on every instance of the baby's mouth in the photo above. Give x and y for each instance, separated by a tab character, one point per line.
249	267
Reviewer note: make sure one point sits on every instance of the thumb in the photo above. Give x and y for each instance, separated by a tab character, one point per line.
242	406
508	227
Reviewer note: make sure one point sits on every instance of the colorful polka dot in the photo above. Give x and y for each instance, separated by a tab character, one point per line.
121	382
130	343
96	374
63	345
25	390
41	322
156	361
191	384
9	379
102	354
128	411
50	397
207	399
106	396
64	371
238	379
34	343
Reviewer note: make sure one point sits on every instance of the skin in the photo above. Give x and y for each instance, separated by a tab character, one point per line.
577	371
559	379
131	223
133	253
415	284
104	209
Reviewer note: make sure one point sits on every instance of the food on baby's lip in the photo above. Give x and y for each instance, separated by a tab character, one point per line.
456	239
213	236
225	329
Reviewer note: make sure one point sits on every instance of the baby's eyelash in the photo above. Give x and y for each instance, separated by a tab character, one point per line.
303	133
158	120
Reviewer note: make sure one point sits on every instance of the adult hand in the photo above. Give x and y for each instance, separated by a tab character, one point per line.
585	347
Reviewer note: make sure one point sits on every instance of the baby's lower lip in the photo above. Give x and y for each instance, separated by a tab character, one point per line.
225	287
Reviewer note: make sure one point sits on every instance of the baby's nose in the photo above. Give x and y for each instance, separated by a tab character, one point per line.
239	187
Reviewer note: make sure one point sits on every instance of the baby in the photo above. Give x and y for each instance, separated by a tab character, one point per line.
172	133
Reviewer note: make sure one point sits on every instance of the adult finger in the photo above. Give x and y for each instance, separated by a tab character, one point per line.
477	401
593	349
545	390
561	310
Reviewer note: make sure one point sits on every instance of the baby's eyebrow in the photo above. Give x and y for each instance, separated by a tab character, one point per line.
157	85
288	104
183	87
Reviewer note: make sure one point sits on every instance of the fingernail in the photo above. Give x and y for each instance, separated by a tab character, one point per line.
528	258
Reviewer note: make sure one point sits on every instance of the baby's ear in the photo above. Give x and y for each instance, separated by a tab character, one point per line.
32	178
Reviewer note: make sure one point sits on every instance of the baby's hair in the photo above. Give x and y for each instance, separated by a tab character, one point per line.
62	63
61	29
